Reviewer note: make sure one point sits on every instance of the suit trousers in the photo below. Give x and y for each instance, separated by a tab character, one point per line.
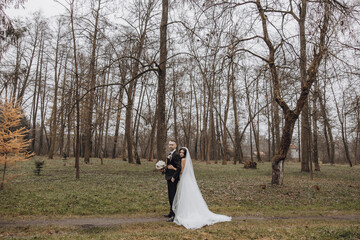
171	192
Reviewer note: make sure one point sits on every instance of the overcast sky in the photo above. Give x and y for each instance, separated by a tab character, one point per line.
47	7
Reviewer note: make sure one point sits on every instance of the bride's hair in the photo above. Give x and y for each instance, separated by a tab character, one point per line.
183	150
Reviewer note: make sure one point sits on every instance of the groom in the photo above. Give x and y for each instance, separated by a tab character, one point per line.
173	162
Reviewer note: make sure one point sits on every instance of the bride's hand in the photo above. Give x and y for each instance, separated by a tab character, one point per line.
170	167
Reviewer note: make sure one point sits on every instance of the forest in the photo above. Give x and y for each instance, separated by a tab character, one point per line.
234	81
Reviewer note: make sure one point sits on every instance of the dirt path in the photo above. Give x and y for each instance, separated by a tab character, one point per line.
111	221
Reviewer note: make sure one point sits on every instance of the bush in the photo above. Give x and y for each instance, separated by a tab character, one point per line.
38	166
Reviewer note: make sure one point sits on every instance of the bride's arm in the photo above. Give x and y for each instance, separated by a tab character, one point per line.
183	161
182	166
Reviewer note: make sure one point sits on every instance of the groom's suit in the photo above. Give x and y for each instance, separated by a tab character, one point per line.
175	160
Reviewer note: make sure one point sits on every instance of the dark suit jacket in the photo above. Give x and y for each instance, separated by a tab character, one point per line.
174	160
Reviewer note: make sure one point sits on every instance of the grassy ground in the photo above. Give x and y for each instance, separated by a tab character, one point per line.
282	229
121	189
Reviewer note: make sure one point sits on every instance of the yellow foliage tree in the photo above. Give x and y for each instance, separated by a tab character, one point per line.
13	145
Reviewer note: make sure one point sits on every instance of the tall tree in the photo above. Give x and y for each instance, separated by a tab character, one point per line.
329	139
57	71
13	142
315	127
138	50
290	115
92	82
342	119
238	151
77	92
161	93
305	122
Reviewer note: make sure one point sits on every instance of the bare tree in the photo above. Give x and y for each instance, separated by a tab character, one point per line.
77	94
92	82
315	126
290	115
57	72
161	94
342	119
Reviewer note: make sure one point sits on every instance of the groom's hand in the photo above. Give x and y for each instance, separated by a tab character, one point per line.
172	179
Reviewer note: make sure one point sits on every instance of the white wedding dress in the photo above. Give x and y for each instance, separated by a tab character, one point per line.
189	206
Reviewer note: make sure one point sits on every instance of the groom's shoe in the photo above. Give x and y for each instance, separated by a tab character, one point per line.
171	219
168	215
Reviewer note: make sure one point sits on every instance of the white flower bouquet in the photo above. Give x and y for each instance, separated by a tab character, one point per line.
160	165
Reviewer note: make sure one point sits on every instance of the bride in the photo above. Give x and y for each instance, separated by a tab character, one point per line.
189	206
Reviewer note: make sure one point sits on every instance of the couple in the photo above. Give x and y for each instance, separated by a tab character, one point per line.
187	206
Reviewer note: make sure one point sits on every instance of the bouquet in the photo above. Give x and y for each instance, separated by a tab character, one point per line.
160	165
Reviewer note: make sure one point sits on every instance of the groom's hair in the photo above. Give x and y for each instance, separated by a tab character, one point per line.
173	141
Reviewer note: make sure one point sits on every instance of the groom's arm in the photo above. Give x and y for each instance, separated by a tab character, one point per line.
177	163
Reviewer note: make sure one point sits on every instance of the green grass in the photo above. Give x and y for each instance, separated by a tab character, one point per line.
280	229
119	188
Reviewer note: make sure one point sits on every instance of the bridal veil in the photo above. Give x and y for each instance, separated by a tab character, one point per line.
189	206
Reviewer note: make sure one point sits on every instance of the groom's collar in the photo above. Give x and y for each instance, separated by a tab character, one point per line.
173	151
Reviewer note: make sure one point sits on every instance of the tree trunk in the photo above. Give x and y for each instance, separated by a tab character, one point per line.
17	69
357	155
276	125
327	128
37	91
62	110
251	141
123	149
278	159
152	137
4	171
175	108
305	123
204	135
77	84
128	123
218	137
118	114
197	125
69	115
42	114
210	139
269	122
107	123
90	99
161	118
57	70
237	147
274	112
137	123
252	127
101	115
305	139
132	88
315	128
342	120
189	129
344	139
226	111
26	79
